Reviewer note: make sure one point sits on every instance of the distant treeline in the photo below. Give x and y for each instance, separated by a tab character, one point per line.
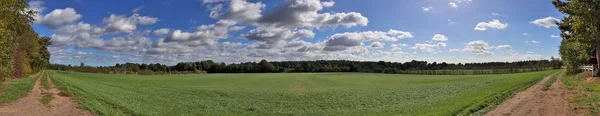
412	67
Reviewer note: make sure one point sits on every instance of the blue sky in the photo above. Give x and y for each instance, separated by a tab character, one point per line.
115	31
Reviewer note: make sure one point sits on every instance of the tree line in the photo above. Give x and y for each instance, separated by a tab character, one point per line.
22	51
412	67
580	32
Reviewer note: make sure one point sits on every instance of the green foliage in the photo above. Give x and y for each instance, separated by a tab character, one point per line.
267	66
46	98
584	92
413	67
549	82
19	44
291	93
15	89
580	31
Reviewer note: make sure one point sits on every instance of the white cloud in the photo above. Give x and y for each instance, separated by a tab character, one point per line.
451	22
328	3
162	31
343	41
377	44
121	23
59	17
453	5
439	37
275	35
432	46
546	22
480	47
504	47
211	1
145	20
238	10
427	8
496	14
494	24
554	36
429	47
38	7
525	34
137	9
533	42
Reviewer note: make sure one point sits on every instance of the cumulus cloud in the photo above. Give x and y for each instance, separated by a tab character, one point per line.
494	24
289	21
38	7
162	31
328	3
504	47
429	47
59	17
204	34
439	37
438	42
137	9
495	14
343	41
427	8
377	44
121	23
480	47
546	22
533	42
453	5
274	35
238	10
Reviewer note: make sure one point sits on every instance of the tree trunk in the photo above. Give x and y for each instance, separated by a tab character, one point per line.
597	73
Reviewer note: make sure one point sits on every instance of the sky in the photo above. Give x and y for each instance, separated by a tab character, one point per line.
102	33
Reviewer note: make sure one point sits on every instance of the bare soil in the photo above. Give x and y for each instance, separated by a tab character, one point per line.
30	105
536	102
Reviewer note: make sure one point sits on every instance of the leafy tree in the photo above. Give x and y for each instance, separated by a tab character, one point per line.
267	66
579	30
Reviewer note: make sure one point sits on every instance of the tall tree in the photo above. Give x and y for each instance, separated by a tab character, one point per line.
14	23
580	26
267	66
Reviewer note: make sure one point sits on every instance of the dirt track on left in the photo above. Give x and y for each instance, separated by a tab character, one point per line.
30	105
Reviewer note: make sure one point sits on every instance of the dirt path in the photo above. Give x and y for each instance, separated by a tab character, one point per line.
536	102
30	105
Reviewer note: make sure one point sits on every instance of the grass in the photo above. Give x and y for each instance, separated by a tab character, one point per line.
47	97
15	89
44	81
549	82
291	93
586	93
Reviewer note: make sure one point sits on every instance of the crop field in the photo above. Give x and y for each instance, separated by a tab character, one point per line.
291	93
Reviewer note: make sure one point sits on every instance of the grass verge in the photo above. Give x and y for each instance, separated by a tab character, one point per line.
47	98
586	90
15	89
480	108
549	83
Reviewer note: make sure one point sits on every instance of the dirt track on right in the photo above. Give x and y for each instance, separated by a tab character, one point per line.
536	102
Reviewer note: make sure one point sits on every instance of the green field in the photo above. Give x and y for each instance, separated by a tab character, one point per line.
291	93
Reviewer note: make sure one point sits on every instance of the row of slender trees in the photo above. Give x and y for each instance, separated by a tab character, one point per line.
412	67
22	50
